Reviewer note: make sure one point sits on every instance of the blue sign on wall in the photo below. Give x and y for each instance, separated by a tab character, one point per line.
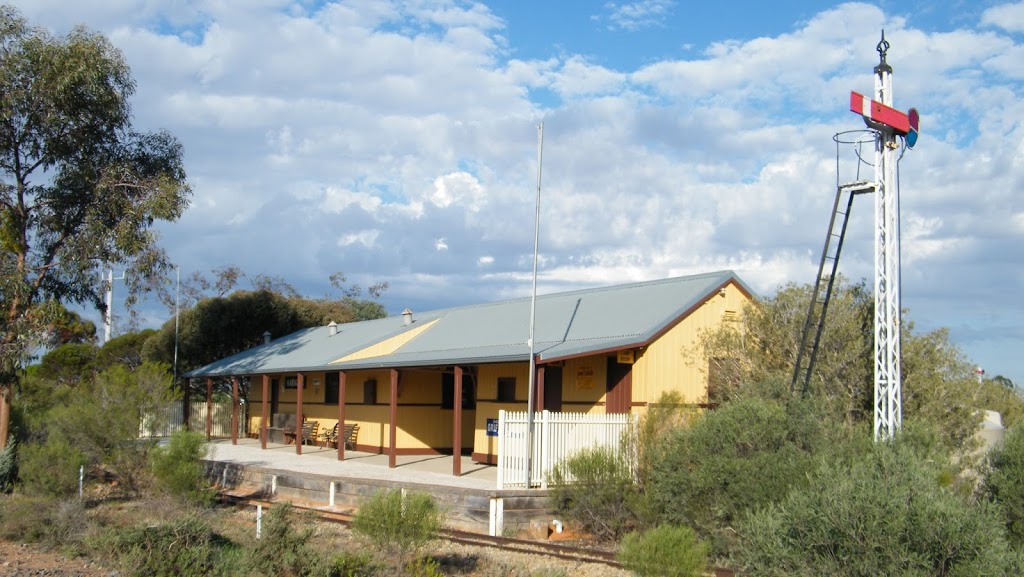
492	427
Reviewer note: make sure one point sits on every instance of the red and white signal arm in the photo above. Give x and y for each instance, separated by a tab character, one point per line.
905	125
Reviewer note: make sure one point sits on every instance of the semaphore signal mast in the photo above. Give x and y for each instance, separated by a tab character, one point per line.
885	124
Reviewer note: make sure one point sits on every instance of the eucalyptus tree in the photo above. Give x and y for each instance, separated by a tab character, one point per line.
80	188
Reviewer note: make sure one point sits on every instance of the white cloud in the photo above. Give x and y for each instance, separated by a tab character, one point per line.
1009	17
634	16
396	141
457	188
364	238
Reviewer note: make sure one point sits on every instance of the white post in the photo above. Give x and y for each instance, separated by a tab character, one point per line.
110	299
530	401
502	449
81	479
108	318
259	521
177	285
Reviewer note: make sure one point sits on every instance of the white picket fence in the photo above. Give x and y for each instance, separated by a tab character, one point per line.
556	436
171	419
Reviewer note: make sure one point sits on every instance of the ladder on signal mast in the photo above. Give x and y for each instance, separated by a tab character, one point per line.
814	324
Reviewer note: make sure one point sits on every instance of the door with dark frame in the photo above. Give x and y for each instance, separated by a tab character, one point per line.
619	387
553	389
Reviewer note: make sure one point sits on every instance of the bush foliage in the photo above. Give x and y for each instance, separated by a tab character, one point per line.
665	551
51	468
740	457
178	468
398	526
595	488
1003	482
886	512
8	466
181	548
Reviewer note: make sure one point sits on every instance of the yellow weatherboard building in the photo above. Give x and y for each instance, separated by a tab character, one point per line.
433	382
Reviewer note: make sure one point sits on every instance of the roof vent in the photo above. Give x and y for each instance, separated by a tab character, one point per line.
407	317
266	338
332	328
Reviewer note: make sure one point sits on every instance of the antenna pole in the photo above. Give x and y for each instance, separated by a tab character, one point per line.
530	401
107	317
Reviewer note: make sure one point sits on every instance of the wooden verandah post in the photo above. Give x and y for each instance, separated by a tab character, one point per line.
340	437
263	412
393	448
457	425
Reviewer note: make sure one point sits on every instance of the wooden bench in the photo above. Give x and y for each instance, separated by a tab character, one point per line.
330	435
350	436
309	432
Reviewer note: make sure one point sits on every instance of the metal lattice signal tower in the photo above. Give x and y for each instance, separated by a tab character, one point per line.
886	123
888	392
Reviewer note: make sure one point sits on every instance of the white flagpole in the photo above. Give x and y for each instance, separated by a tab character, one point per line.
530	401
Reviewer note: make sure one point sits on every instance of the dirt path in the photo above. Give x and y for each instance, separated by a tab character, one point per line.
29	560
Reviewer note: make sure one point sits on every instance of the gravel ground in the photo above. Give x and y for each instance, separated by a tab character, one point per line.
30	560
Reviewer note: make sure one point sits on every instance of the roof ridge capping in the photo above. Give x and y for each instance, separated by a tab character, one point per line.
724	274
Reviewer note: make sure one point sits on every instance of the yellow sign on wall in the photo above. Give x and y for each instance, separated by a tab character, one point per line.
626	357
585	378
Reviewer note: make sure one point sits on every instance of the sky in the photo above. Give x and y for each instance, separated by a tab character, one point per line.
397	141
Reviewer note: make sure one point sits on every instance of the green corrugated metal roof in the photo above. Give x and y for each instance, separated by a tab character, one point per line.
568	324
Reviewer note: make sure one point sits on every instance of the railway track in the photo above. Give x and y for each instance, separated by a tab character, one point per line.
553	550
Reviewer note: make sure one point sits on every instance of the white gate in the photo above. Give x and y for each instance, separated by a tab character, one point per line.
556	436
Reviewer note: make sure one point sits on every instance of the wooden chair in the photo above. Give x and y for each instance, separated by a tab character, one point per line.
330	435
309	432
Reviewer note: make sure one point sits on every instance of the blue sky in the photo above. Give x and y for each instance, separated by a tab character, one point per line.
396	141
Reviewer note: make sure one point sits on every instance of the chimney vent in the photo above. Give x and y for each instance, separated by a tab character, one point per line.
266	338
407	317
332	328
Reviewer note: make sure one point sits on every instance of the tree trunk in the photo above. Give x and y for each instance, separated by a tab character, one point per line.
6	392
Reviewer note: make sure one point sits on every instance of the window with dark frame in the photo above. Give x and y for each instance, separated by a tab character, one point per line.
293	383
448	392
331	388
370	392
506	389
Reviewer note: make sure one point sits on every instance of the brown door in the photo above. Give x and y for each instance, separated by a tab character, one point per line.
553	389
619	387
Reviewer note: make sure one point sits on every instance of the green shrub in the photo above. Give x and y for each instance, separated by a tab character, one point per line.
352	565
8	466
735	459
668	413
398	526
178	468
665	551
51	468
885	513
1003	482
282	549
595	489
185	547
423	567
28	518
